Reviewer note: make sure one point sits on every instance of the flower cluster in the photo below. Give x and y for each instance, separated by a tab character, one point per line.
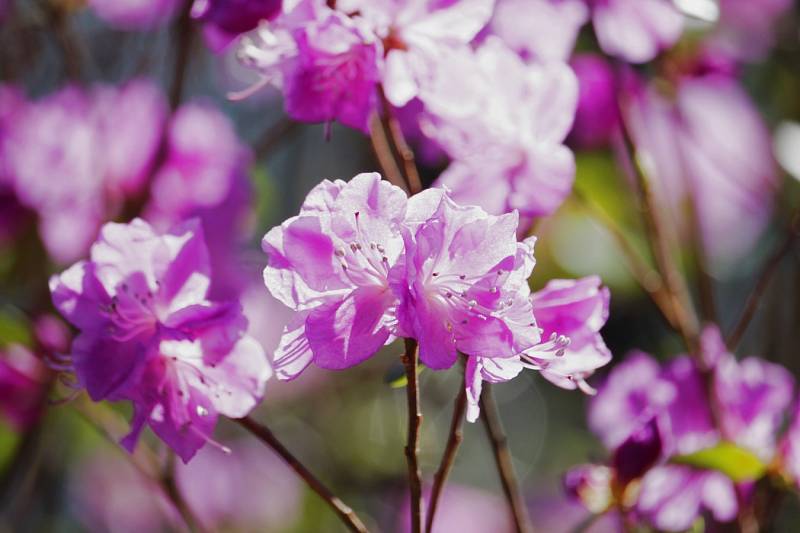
363	264
651	415
150	335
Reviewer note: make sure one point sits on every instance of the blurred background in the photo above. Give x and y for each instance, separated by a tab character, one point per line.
80	86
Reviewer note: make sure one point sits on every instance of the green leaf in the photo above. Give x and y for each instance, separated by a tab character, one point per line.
737	463
396	375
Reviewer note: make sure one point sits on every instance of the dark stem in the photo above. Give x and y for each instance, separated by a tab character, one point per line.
502	456
383	153
767	272
648	279
183	45
412	443
273	136
345	513
405	152
449	456
59	20
175	496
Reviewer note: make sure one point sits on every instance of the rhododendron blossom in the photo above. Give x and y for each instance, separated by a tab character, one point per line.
569	314
150	336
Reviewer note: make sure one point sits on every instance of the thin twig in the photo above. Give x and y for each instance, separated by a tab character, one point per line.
412	443
448	457
648	279
276	134
345	513
383	153
767	272
502	456
183	44
171	488
403	150
59	20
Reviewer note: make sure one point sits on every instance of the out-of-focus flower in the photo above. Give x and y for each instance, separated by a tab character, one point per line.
135	14
569	315
326	63
465	283
111	495
224	20
635	30
75	156
149	334
789	457
465	509
708	142
590	485
543	30
241	478
415	34
204	175
597	116
22	377
331	265
746	28
505	138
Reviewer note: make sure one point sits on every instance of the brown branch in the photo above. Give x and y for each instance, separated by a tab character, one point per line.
175	496
502	456
764	278
273	136
345	513
449	456
648	279
412	443
405	152
183	44
383	153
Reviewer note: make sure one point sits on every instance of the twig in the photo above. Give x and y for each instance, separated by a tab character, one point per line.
59	20
648	279
183	44
171	488
412	444
345	513
403	150
502	456
449	456
769	269
383	153
274	136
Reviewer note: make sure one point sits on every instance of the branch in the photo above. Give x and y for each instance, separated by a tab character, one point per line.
412	444
183	43
273	136
403	150
449	456
769	269
502	456
266	436
383	153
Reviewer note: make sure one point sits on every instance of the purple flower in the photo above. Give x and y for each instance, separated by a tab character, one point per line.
326	63
673	496
224	20
415	34
708	141
504	130
637	454
135	14
544	30
597	116
22	377
746	28
74	162
590	485
149	334
465	282
331	264
569	315
635	30
466	510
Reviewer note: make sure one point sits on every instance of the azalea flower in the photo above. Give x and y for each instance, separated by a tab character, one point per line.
149	334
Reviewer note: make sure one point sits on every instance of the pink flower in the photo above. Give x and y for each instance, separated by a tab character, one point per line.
135	14
569	315
635	30
465	282
597	116
149	334
224	20
708	141
74	161
22	379
331	264
415	33
504	130
544	30
326	63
